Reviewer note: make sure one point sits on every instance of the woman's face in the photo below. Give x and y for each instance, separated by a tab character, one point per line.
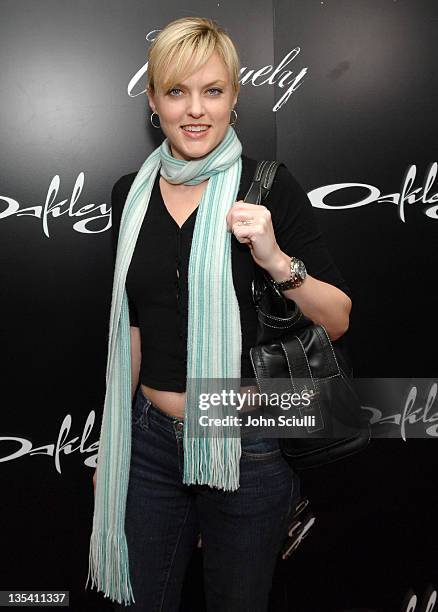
206	97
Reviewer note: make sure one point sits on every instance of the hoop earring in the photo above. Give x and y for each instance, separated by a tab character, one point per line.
155	113
233	111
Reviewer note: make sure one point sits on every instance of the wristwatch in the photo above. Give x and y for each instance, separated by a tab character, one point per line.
298	273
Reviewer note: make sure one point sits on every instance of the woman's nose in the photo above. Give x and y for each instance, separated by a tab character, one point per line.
195	106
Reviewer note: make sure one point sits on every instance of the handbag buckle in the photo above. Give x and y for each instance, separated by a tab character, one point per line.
311	392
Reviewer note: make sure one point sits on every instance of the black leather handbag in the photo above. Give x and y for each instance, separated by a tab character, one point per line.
291	348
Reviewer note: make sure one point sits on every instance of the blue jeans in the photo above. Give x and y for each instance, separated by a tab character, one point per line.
242	531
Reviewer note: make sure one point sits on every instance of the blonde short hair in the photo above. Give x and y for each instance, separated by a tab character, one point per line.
188	43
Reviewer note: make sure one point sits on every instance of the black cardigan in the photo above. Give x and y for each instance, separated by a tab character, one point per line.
157	282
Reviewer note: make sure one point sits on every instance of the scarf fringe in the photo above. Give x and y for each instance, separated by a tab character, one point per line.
203	468
112	576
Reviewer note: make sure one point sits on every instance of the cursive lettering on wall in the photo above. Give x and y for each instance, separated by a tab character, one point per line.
62	446
426	606
400	199
52	209
410	414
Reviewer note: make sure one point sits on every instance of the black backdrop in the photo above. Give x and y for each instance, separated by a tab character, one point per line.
353	119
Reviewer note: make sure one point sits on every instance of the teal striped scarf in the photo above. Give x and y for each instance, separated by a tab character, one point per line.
211	456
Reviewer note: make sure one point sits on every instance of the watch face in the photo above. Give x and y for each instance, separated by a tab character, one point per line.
300	269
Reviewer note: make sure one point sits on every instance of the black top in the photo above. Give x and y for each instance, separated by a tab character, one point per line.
157	284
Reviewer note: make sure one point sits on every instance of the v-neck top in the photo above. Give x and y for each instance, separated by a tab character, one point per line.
157	278
162	203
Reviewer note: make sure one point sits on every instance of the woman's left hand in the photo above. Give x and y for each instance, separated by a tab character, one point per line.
258	234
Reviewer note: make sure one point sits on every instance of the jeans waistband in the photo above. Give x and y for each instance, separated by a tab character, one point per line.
175	425
166	421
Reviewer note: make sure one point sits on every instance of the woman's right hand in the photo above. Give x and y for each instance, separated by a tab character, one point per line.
94	479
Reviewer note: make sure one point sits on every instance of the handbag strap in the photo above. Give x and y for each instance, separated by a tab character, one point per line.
258	191
301	373
296	356
264	175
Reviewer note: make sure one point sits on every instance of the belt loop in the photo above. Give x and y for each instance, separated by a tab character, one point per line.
147	405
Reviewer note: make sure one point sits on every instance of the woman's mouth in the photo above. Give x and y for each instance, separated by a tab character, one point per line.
195	133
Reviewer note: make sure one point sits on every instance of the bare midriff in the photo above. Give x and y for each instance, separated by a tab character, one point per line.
172	402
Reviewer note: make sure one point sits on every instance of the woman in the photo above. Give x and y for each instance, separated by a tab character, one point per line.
181	317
